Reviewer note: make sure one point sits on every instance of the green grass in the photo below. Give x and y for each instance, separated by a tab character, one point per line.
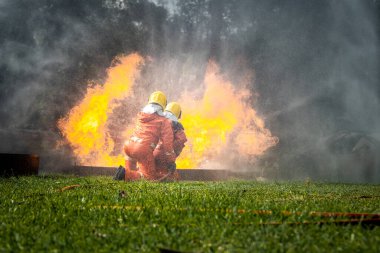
35	216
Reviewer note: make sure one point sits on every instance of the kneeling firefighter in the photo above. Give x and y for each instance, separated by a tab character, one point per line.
151	127
166	167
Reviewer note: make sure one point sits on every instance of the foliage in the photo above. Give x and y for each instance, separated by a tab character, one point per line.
39	214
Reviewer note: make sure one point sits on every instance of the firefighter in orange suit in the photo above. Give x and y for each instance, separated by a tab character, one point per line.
163	165
151	127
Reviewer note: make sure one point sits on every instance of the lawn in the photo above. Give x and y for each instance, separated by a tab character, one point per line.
97	214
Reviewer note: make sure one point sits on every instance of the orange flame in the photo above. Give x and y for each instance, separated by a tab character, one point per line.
85	127
221	120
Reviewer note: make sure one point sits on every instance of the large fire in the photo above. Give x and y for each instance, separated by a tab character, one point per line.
221	120
85	127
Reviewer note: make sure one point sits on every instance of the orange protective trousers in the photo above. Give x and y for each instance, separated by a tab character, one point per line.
161	161
144	155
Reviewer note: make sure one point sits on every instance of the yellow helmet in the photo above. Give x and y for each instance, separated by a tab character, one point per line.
158	97
174	108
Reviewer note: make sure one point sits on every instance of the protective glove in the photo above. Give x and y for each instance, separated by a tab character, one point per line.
172	167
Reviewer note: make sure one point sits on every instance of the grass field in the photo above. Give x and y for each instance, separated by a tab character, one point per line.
100	215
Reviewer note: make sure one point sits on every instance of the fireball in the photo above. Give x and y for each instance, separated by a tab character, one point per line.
220	120
85	126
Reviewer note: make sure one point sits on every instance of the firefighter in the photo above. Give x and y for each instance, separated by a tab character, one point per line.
151	127
163	165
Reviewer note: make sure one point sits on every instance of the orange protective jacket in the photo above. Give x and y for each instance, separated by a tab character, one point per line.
179	138
178	144
152	128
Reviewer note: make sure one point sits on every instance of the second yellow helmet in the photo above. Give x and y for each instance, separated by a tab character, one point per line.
158	97
174	108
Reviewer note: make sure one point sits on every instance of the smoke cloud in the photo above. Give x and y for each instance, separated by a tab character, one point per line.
314	68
